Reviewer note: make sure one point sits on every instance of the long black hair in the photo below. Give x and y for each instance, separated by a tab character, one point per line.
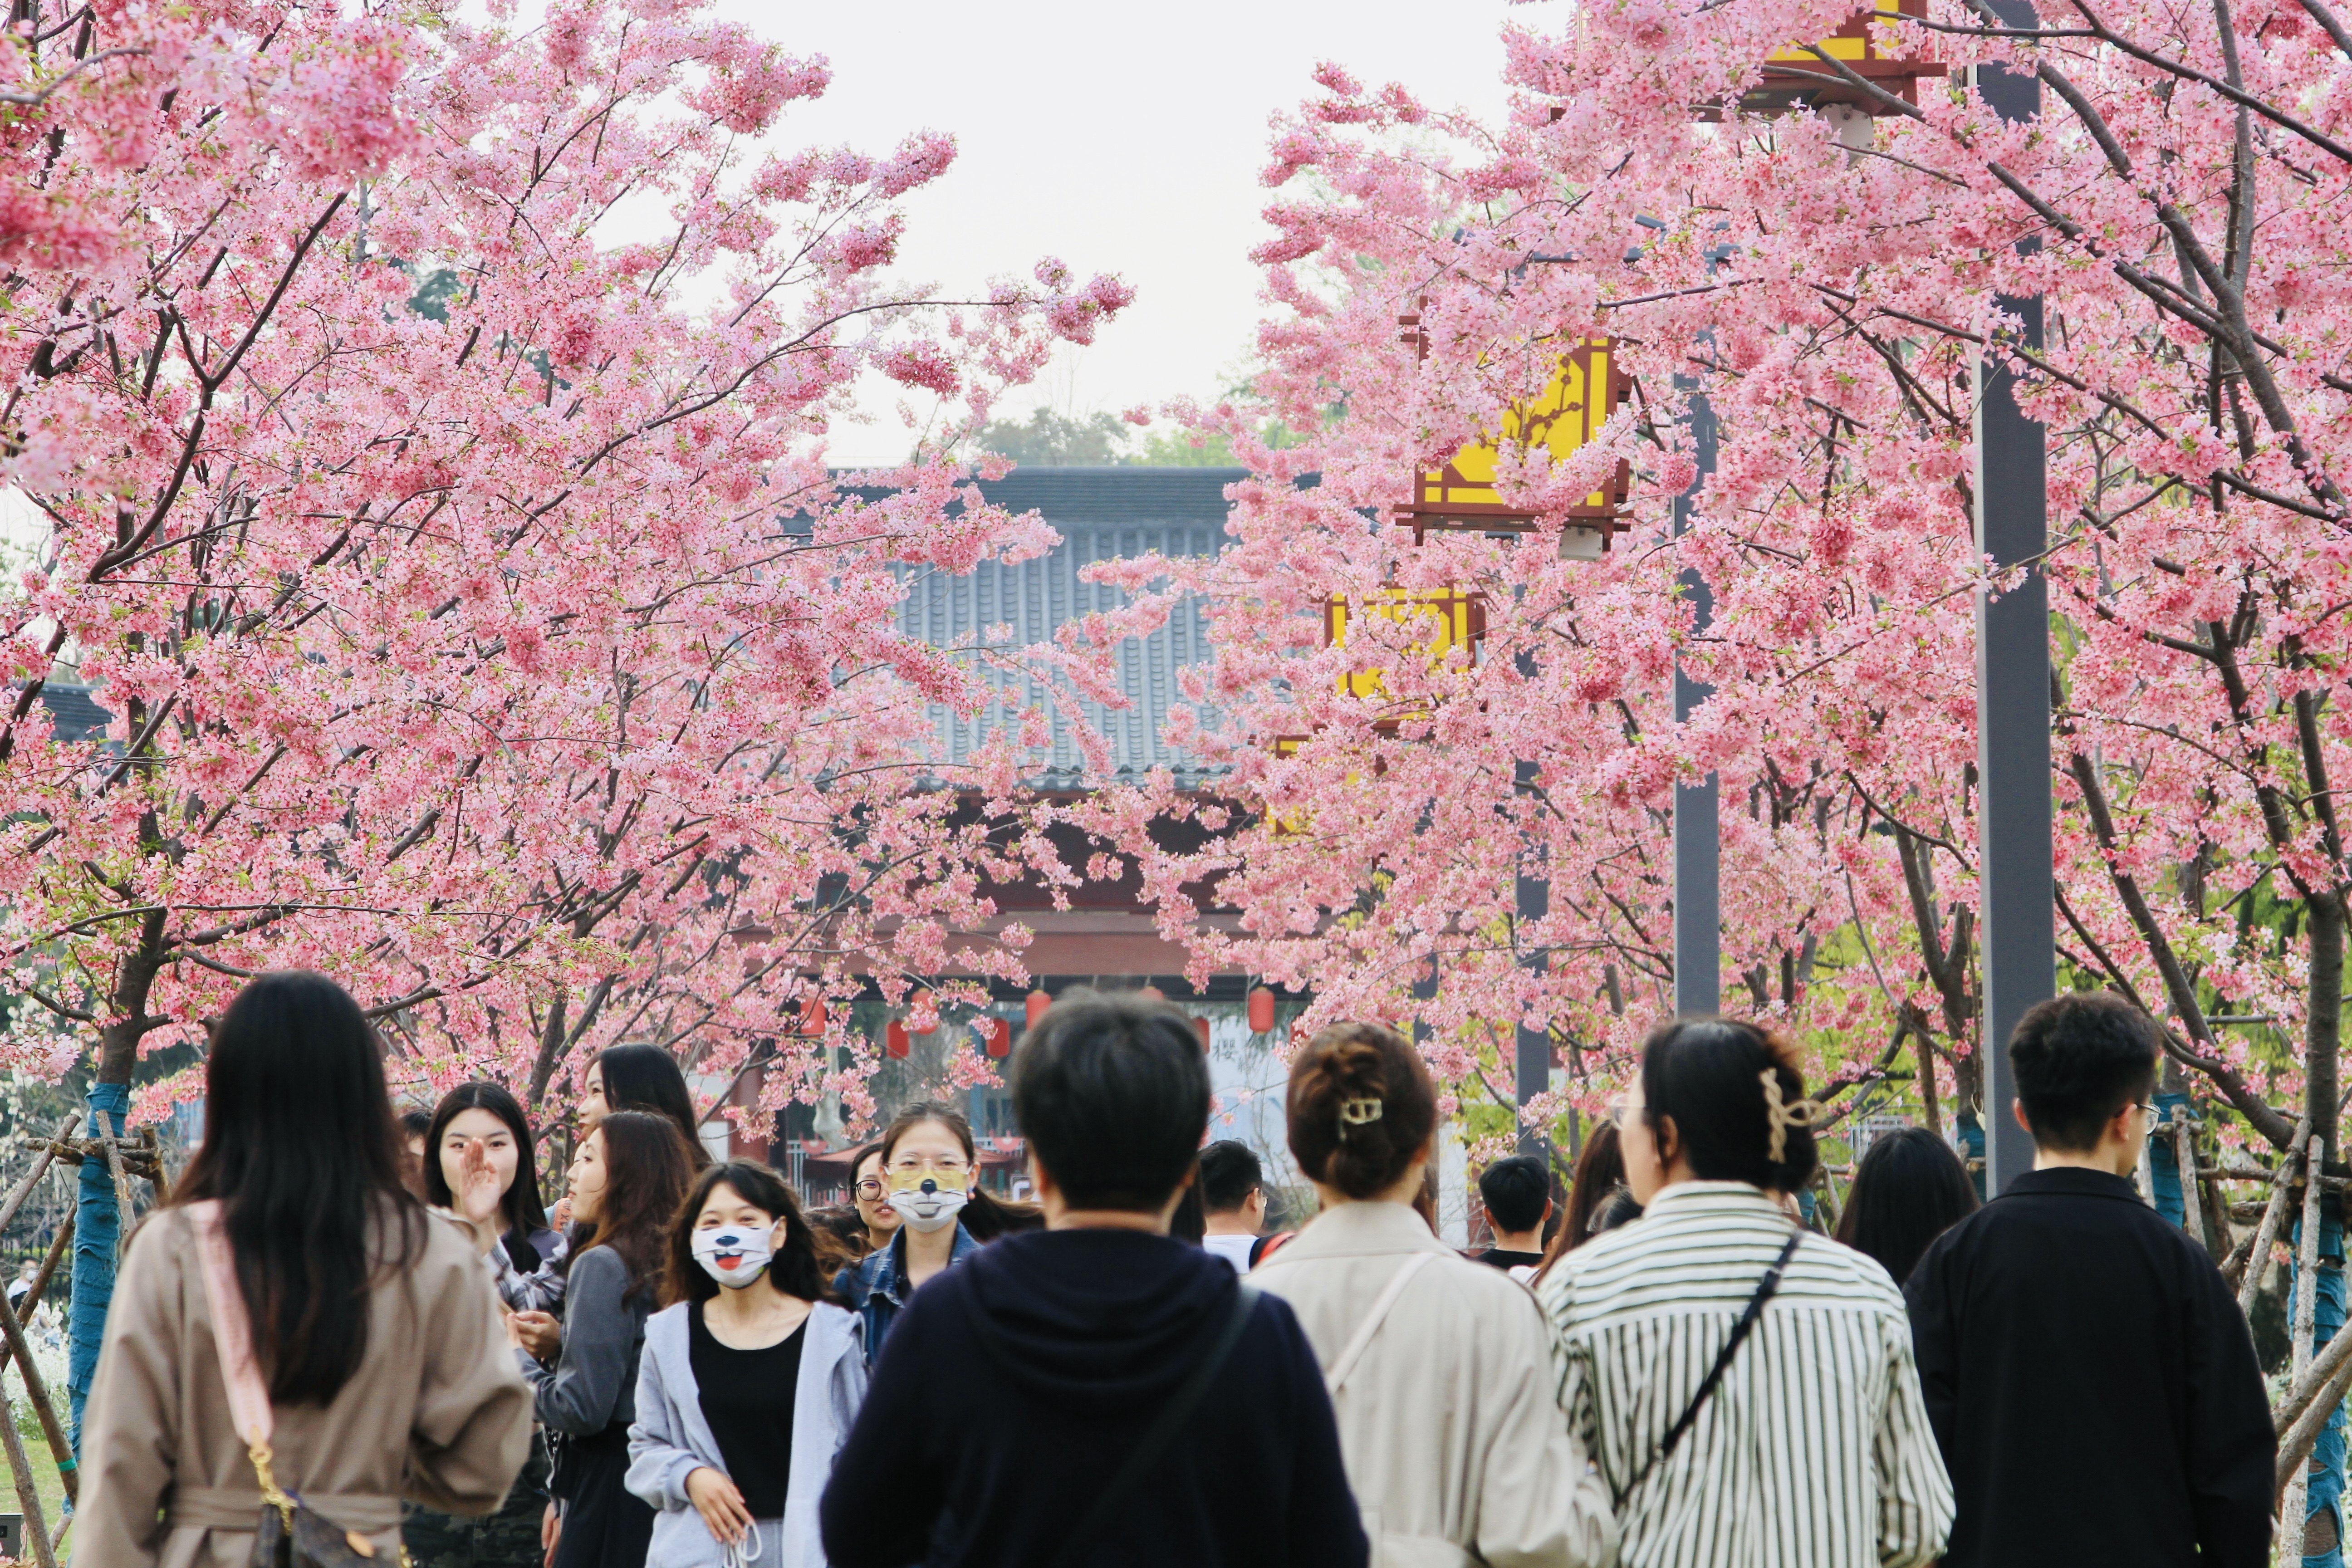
520	1205
794	1269
1909	1189
303	1152
646	1078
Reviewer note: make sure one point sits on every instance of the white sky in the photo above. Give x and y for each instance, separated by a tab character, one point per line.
1121	138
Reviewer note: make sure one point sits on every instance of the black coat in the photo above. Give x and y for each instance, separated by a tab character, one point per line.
2092	1383
958	1457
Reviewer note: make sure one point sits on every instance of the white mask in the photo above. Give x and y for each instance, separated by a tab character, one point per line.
731	1255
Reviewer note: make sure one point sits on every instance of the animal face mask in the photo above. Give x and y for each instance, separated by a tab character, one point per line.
731	1255
929	1199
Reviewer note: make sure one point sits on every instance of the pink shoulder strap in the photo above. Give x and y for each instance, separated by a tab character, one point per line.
248	1396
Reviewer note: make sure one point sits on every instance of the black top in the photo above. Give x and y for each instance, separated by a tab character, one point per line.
1096	1330
747	1398
1495	1257
2092	1383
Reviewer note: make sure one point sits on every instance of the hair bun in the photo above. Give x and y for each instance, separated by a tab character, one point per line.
1356	1069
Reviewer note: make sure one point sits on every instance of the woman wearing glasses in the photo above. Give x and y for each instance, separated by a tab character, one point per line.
882	1221
930	1169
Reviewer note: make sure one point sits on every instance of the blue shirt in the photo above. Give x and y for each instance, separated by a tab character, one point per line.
877	1287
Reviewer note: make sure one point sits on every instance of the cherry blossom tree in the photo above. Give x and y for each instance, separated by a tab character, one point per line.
478	617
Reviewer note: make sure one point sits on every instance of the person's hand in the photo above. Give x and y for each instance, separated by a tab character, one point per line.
537	1333
480	1200
719	1504
560	1216
551	1529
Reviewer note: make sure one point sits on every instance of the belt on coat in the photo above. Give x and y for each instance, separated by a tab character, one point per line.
238	1507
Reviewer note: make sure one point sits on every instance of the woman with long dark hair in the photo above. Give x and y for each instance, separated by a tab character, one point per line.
378	1347
481	1172
1746	1389
752	1377
627	1179
1909	1189
929	1166
1437	1366
641	1077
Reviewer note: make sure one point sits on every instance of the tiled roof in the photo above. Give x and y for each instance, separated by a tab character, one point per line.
1101	514
75	712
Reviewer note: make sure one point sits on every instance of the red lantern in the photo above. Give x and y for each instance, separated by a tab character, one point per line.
895	1043
1000	1037
812	1015
1038	1002
1154	992
1200	1028
1261	1010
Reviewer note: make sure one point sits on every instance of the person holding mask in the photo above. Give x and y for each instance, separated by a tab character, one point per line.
481	1172
873	1198
626	1182
1908	1189
383	1370
748	1383
1746	1391
1436	1364
931	1172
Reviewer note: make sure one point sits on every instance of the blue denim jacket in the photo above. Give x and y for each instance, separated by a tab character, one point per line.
877	1287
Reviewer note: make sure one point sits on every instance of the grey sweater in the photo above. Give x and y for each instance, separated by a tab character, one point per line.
594	1384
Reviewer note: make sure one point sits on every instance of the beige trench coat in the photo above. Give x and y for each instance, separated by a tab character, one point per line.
437	1412
1454	1441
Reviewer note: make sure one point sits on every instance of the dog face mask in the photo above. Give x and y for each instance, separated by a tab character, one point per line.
732	1254
929	1199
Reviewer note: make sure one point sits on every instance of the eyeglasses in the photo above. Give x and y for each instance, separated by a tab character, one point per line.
2155	1113
870	1189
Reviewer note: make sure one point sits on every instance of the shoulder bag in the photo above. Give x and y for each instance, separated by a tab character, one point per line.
1765	1290
286	1536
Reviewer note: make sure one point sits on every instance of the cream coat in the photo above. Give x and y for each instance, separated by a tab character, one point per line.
437	1412
1455	1445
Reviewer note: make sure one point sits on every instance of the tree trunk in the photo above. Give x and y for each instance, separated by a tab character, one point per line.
98	1221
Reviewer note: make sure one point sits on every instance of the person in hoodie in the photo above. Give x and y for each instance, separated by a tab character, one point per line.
1142	1408
748	1382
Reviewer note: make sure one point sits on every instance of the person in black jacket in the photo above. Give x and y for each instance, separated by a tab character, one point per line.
2091	1381
1011	1424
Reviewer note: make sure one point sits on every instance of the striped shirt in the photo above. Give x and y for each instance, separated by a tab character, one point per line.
1814	1451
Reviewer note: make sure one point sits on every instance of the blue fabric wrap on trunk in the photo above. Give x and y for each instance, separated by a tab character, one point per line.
97	1234
2164	1159
2324	1476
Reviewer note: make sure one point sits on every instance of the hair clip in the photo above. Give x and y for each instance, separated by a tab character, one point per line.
1358	1112
1782	1117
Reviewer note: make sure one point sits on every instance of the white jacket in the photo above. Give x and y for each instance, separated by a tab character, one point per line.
1454	1441
669	1439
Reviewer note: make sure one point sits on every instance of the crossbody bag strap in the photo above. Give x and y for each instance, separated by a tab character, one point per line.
1144	1458
1765	1290
1361	1340
248	1396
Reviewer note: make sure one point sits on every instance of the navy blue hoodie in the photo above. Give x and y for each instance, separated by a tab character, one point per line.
978	1458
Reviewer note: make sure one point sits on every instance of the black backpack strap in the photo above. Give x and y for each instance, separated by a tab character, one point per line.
1146	1455
1765	1290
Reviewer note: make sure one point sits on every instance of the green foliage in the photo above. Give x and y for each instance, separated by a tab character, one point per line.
1054	440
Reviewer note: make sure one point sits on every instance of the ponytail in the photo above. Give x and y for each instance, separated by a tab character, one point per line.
1361	1107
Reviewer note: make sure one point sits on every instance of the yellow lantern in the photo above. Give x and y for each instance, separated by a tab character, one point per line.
1453	620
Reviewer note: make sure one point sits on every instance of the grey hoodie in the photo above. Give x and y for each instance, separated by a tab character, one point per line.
669	1439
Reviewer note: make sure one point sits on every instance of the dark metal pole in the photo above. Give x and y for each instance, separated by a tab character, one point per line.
1531	1055
2012	693
1698	908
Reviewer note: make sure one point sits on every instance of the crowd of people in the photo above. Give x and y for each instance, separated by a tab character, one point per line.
683	1366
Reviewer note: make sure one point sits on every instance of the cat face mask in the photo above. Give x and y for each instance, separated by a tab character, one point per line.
929	1199
732	1254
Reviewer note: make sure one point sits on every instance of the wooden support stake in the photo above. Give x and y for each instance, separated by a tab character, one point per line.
2258	1261
2184	1159
40	1168
37	1392
2307	1266
28	1499
121	1192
